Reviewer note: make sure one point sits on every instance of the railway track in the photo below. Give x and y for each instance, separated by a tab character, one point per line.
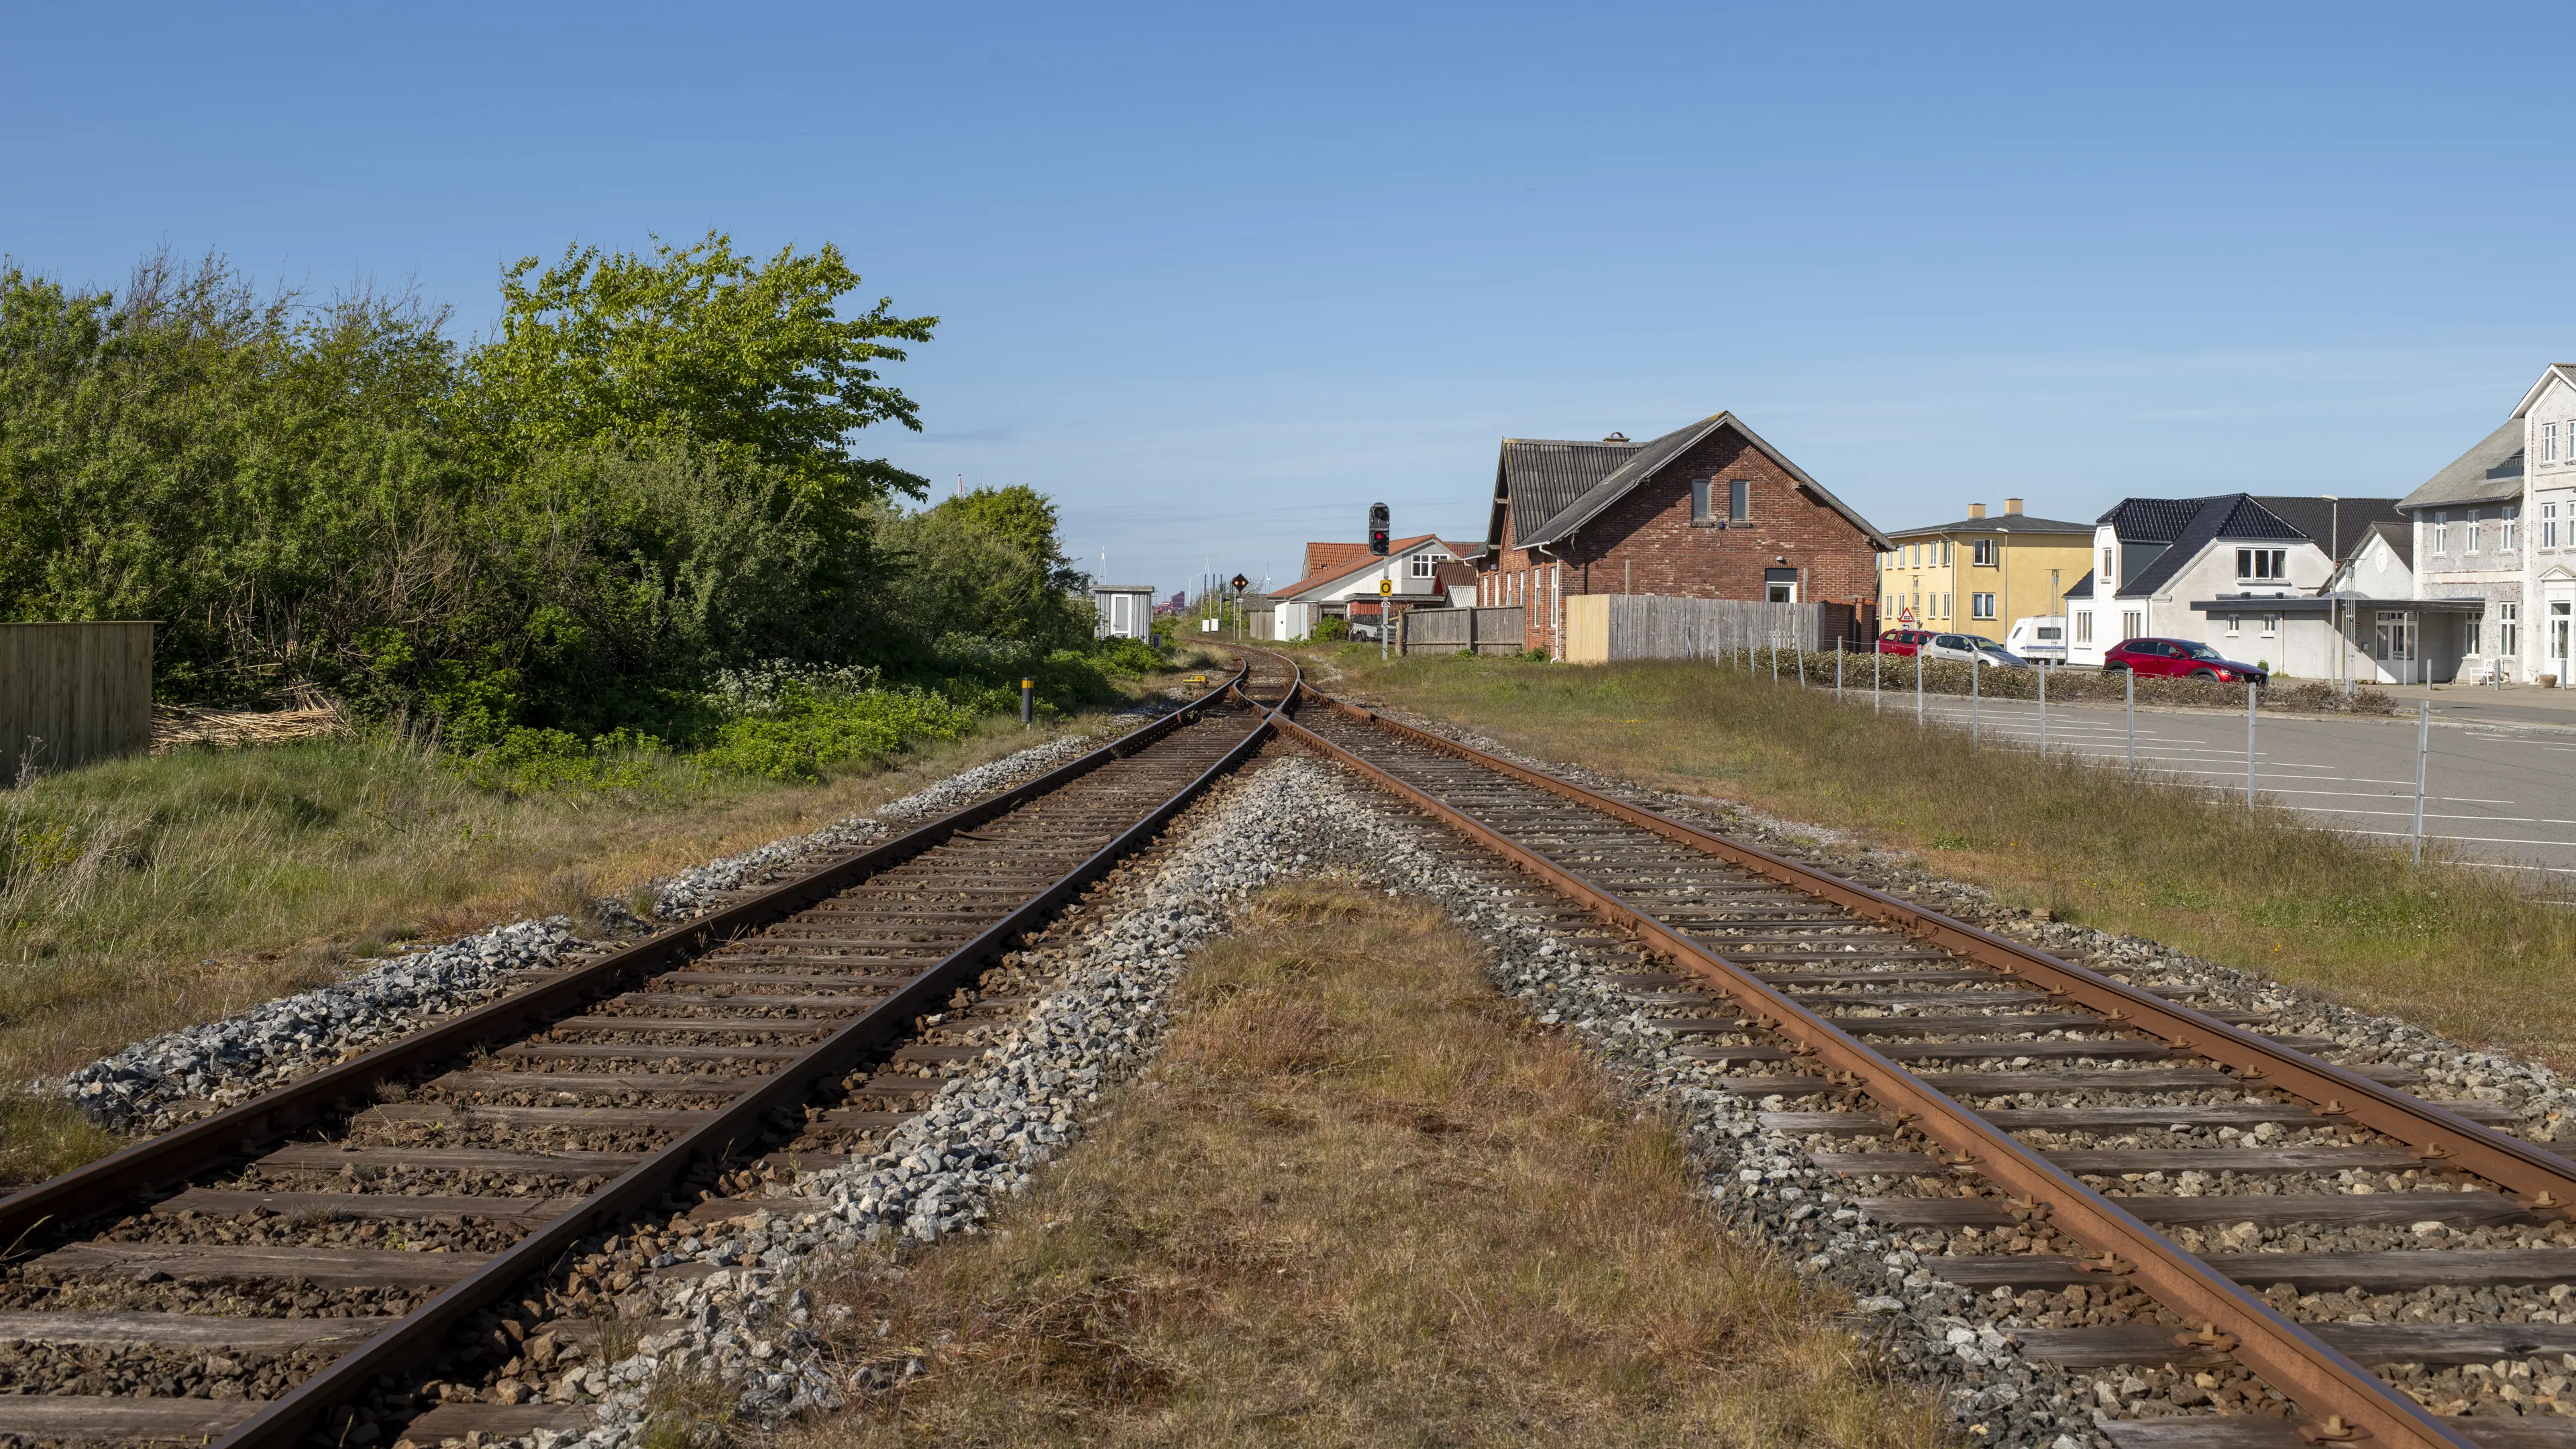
439	1238
2101	1158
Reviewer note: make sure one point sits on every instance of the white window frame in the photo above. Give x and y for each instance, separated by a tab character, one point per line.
2271	626
2233	623
1422	565
2262	565
2471	530
1981	552
2106	568
2508	525
2549	525
2133	623
2084	626
2549	442
1981	606
2442	531
2509	630
2471	634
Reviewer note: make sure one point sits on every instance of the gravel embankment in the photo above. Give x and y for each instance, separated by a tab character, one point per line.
155	1084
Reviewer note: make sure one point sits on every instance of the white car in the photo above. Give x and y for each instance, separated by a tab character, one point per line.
1965	647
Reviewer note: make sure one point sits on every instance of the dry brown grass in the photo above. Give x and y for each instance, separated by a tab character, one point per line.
2447	947
186	886
1363	1204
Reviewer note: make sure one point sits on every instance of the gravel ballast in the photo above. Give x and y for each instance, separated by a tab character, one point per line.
749	1327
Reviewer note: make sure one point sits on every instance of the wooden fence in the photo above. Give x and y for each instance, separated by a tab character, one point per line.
1459	631
1600	628
73	693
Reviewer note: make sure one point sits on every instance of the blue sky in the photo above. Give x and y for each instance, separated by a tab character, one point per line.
1219	277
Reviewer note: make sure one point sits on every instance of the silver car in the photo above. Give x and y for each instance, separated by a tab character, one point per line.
1966	647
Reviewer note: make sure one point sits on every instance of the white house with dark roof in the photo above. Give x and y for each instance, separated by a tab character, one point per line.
2254	577
1342	580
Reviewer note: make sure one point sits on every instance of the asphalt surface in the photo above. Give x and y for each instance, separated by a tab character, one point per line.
2499	795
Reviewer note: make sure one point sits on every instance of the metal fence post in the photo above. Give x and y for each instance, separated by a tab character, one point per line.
1973	675
1874	657
1838	671
2423	747
2129	687
2249	747
1918	687
2043	709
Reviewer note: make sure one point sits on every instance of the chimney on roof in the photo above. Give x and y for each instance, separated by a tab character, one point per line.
1616	438
2012	505
1976	510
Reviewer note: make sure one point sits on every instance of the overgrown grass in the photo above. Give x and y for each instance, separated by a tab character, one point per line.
1365	1204
2448	947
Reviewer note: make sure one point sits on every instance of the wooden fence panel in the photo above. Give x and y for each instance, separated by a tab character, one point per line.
1455	631
73	693
1649	626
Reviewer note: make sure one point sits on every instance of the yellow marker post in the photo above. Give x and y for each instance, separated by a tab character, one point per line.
1385	615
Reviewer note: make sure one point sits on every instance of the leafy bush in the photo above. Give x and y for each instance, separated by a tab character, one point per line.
1331	629
822	732
527	761
1121	658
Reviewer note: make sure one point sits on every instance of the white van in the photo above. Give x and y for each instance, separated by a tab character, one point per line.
2042	636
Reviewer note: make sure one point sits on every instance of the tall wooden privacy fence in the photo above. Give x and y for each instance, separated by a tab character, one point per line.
1600	628
73	693
1460	631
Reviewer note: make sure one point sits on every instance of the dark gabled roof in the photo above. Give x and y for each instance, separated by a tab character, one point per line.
2083	587
2400	536
2491	472
1996	523
1638	462
2332	523
1545	476
2151	520
2230	515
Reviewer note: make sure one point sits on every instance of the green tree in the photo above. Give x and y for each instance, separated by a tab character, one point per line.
704	344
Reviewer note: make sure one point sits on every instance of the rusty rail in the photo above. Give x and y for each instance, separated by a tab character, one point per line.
2352	1403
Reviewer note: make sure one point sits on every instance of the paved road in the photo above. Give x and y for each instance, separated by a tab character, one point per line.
2502	796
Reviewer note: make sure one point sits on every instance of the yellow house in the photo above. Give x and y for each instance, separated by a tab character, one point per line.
1978	575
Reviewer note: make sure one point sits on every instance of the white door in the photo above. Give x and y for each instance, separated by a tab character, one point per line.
2393	646
2559	621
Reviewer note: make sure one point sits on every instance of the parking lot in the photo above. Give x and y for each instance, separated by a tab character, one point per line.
2500	795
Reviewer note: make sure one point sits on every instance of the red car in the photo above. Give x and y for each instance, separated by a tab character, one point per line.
2179	657
1903	641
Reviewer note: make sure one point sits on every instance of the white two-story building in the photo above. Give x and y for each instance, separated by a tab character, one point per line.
2495	538
2548	542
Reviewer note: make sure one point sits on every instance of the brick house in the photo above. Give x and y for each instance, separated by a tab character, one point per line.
1708	511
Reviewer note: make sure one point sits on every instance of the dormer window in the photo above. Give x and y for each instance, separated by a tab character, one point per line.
2266	565
1424	565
